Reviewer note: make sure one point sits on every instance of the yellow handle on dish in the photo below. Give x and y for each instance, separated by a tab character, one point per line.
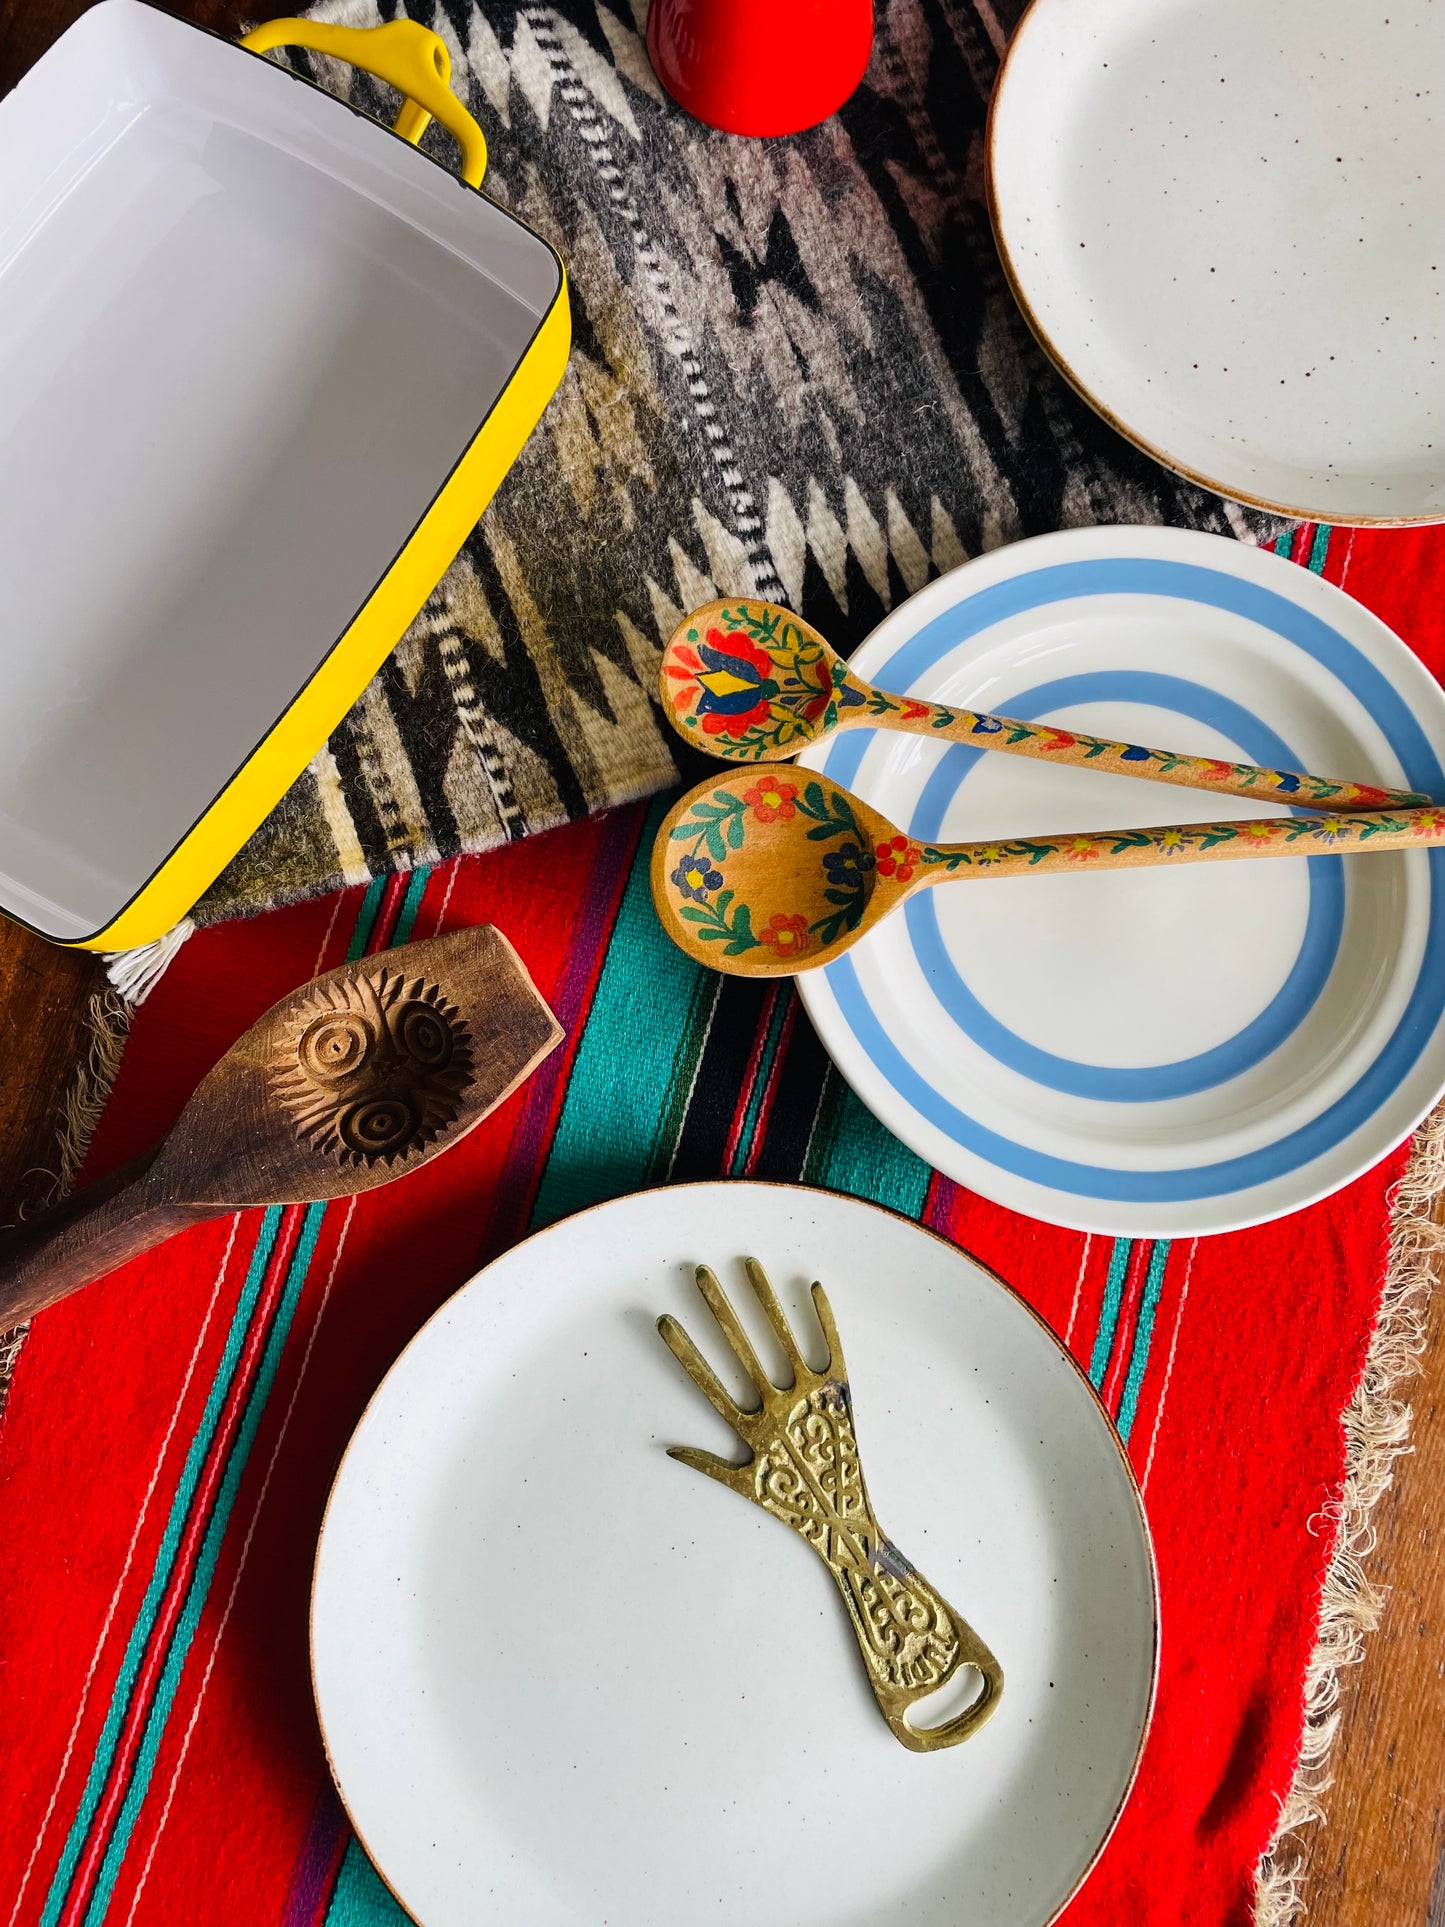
406	56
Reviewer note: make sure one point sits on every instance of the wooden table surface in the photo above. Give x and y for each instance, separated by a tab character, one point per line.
1379	1858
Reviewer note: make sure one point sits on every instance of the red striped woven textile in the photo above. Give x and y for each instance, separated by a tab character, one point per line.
172	1433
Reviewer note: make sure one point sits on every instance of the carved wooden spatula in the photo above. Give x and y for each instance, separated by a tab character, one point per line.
354	1079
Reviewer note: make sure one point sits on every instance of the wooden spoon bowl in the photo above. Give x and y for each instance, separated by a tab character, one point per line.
750	682
762	874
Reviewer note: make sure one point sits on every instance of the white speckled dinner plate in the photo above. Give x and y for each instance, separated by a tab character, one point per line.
1225	220
564	1680
1151	1052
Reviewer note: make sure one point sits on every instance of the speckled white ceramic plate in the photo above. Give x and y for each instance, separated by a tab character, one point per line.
1225	220
564	1680
1153	1052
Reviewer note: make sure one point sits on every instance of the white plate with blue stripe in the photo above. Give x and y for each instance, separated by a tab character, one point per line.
1148	1053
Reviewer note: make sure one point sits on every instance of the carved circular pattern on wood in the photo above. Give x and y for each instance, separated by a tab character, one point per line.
374	1066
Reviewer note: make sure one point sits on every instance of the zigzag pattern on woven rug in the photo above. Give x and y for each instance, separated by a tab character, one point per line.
796	371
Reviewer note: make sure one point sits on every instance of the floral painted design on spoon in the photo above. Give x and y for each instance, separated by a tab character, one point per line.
754	677
758	684
717	824
771	801
762	877
898	858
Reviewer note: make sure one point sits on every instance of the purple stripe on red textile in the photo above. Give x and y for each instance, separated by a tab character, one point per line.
317	1864
941	1203
516	1189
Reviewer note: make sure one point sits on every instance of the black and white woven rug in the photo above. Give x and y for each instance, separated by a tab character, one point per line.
796	370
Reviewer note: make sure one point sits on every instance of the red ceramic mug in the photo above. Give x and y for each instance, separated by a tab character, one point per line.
760	66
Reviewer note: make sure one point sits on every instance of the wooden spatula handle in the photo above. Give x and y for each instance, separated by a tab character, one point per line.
92	1232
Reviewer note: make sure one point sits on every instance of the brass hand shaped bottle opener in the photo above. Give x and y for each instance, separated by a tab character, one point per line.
804	1469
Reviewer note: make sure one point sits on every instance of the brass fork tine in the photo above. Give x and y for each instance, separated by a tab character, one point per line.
732	1331
775	1315
698	1370
830	1332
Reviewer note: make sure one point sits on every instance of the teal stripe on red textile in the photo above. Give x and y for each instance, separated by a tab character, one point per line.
205	1566
762	1073
1290	544
410	904
507	1215
359	1899
164	1566
649	1016
366	917
1143	1337
1109	1311
851	1151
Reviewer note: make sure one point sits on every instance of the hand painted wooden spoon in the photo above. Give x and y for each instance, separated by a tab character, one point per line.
762	877
753	683
354	1079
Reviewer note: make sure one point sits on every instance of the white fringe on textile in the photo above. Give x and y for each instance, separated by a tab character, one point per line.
135	973
10	1343
1377	1431
106	1022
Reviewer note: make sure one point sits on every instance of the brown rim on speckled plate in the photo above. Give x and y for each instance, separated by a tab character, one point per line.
1294	511
1147	1722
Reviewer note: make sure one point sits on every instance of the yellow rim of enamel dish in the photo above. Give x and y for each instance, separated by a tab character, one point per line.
417	63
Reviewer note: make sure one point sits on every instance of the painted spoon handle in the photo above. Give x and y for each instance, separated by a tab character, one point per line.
1169	843
1049	745
89	1234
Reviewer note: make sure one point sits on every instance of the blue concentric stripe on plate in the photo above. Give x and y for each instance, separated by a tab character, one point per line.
1150	1083
1135	575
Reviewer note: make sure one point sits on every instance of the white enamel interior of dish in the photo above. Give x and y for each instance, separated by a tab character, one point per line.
1229	221
245	334
1133	969
564	1680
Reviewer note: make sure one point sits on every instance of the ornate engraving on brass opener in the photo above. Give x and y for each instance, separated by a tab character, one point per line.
373	1066
805	1470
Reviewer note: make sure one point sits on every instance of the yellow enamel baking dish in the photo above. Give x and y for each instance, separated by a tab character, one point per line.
262	365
